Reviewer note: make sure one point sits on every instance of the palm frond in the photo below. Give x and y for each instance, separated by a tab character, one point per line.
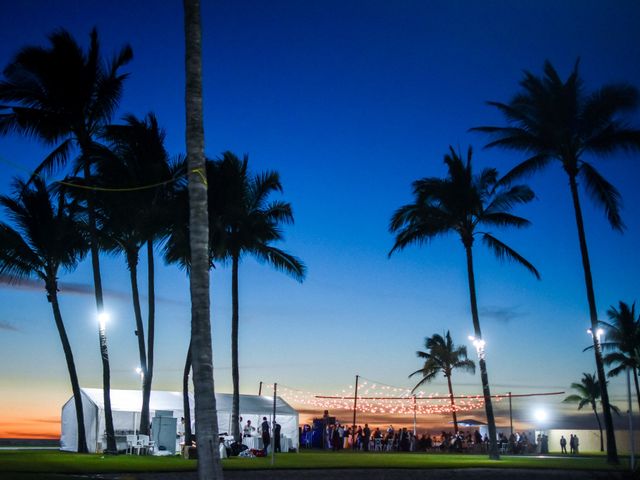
504	252
603	193
281	261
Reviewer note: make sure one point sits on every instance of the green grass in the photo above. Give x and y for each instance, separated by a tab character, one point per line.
70	463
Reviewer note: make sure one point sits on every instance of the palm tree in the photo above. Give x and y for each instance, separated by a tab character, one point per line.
46	238
246	222
589	392
442	356
209	465
555	121
63	97
137	177
623	341
461	203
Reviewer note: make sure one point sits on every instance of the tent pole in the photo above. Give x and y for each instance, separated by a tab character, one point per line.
414	414
273	424
355	405
510	414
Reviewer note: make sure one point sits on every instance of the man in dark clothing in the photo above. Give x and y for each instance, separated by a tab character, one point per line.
266	438
365	438
276	437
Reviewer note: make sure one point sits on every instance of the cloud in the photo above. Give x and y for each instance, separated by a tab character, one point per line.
502	314
8	327
75	288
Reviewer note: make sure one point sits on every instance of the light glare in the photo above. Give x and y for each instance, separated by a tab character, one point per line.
541	415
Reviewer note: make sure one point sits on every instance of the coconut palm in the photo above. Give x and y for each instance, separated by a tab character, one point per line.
462	203
134	177
246	222
46	238
553	121
209	465
63	97
623	341
589	393
442	356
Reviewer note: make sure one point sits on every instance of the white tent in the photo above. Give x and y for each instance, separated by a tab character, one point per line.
126	405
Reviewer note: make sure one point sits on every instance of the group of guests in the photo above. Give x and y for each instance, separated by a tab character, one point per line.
264	431
338	437
521	442
574	444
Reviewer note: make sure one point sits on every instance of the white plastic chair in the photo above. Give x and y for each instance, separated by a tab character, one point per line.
141	445
132	440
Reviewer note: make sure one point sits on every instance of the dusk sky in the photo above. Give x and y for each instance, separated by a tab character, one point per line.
350	101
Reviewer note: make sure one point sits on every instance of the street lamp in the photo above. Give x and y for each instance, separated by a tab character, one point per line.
599	333
479	344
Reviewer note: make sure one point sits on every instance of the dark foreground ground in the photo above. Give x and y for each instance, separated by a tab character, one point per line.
358	474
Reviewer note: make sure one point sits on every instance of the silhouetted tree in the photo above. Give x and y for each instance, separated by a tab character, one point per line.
64	96
558	122
589	392
442	356
46	238
460	203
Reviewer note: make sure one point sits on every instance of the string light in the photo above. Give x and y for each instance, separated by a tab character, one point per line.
376	399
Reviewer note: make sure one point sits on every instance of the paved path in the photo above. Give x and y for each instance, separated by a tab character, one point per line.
392	474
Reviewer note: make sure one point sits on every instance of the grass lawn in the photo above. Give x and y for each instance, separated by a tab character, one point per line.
70	463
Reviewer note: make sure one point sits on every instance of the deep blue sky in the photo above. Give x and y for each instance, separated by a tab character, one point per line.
350	101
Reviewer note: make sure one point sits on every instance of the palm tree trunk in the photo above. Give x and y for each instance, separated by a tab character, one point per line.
151	325
185	398
599	428
491	421
71	366
132	263
102	335
635	380
453	405
612	452
235	374
209	465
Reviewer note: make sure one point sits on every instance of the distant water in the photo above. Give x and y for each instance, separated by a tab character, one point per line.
36	443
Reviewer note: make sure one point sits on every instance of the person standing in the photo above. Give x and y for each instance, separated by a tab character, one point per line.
572	444
276	437
563	444
366	435
576	444
266	437
248	429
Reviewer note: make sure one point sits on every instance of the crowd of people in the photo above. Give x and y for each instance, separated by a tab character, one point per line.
338	437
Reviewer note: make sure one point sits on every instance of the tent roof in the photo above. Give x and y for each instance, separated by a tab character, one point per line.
470	422
131	401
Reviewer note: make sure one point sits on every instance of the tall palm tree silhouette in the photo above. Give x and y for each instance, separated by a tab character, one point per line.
209	465
46	238
245	222
622	340
555	121
589	392
443	357
461	203
63	97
